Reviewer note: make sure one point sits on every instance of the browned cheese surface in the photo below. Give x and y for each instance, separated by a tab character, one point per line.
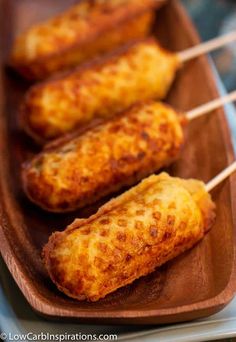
129	236
83	31
144	71
116	153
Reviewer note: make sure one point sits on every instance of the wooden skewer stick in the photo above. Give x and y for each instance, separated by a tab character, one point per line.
221	176
212	105
206	47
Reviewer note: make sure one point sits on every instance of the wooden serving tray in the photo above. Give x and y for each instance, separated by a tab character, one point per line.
194	285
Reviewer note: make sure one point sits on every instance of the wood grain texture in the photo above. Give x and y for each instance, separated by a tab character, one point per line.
194	285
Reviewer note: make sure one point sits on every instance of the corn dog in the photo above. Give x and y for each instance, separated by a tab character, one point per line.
85	30
104	159
129	236
144	71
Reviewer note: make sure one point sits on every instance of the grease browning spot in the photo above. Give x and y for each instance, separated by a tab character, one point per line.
102	246
109	268
104	232
170	220
164	127
182	225
166	236
141	155
160	143
140	212
140	201
104	221
128	257
157	215
122	210
139	224
144	135
156	201
153	231
98	262
86	231
121	236
115	128
122	223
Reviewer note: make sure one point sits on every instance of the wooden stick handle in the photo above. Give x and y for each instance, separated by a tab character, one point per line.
206	47
221	176
208	107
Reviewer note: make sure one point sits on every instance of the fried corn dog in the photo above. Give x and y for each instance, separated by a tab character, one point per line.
106	158
144	71
129	236
85	30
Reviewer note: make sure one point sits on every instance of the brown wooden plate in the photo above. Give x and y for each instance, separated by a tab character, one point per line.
196	284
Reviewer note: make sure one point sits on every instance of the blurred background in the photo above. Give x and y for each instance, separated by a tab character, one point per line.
212	18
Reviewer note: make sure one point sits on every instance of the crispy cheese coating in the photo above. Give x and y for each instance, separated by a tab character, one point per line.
129	236
145	71
104	159
83	31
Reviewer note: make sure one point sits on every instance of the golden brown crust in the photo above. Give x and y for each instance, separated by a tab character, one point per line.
129	236
104	159
84	30
142	72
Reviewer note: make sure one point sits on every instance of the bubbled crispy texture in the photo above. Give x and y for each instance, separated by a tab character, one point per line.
145	71
104	159
75	35
128	237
